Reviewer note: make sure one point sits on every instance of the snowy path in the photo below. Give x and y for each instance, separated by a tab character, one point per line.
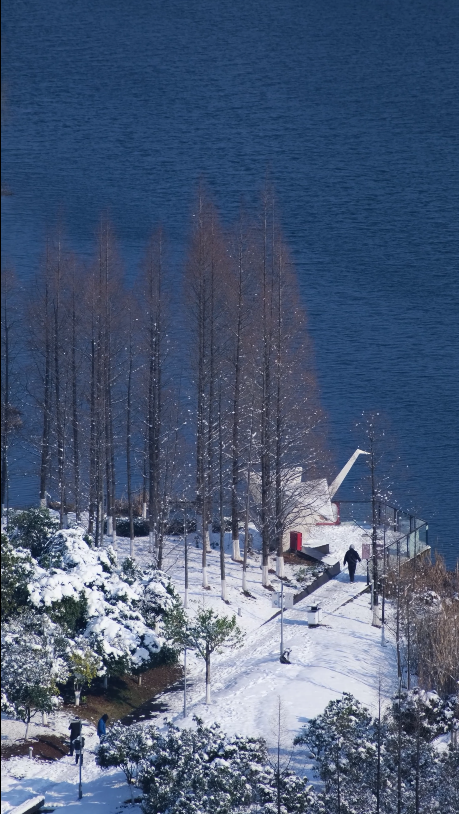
23	778
343	654
339	590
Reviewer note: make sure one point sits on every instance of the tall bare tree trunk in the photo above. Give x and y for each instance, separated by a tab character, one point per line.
235	439
128	441
221	497
155	329
265	412
247	506
59	394
75	423
45	442
278	464
6	403
92	439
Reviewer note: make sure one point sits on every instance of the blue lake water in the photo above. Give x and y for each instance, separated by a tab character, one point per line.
351	107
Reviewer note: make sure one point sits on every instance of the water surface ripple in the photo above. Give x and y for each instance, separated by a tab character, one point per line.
353	109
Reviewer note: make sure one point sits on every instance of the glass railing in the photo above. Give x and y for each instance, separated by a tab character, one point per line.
400	535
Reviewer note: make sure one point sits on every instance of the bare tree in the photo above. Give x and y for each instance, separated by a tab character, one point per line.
11	413
154	317
205	270
129	430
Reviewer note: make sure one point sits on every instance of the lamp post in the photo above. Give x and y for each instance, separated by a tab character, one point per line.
184	684
282	620
78	745
185	541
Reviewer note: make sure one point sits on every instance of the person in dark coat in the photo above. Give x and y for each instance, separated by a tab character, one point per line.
351	558
101	728
75	732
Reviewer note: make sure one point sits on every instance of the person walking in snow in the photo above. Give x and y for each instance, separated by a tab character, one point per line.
75	732
351	558
101	728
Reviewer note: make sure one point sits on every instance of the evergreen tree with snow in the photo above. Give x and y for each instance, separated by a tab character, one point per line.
17	570
126	746
342	741
32	667
202	771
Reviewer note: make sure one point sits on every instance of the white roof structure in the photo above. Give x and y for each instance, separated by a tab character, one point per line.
307	503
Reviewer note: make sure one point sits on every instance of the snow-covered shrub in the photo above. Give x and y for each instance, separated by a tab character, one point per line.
304	576
126	746
33	529
32	666
447	785
114	608
426	712
342	741
70	612
203	770
411	768
16	572
356	756
141	527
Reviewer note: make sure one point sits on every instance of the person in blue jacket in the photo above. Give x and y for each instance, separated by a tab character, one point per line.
101	728
351	558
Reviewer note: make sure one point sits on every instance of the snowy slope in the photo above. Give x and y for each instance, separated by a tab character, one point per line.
343	654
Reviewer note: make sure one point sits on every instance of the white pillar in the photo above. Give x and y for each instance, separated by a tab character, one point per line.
264	575
236	549
280	570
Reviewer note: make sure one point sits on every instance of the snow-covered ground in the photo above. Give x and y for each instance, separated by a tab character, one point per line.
343	654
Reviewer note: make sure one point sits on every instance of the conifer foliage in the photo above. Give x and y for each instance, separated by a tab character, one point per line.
388	765
202	771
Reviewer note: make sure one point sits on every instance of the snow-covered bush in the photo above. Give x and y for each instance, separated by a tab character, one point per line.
33	529
342	741
85	590
447	785
32	666
358	757
126	746
17	570
141	527
426	712
202	770
304	576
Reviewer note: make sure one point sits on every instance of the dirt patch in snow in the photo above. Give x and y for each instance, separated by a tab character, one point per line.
124	695
45	747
